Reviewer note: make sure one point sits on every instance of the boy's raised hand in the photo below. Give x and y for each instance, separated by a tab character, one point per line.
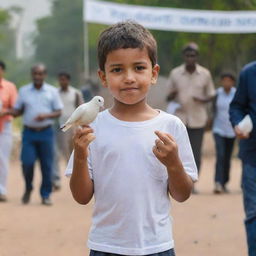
82	138
166	149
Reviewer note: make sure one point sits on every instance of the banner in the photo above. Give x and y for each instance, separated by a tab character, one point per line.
171	19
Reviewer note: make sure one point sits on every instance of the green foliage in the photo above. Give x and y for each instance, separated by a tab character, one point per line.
218	52
59	43
6	35
17	70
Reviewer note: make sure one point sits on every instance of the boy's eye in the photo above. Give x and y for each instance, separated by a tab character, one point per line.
139	68
116	70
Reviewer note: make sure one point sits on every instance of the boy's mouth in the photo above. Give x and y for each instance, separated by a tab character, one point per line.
129	89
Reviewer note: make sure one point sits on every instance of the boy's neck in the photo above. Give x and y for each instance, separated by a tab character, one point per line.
133	113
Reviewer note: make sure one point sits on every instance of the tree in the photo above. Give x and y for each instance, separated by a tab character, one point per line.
59	43
218	52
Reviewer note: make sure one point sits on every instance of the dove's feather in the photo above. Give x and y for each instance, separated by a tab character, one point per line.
83	115
65	127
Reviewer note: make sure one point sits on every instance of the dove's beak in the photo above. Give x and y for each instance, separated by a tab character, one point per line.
102	108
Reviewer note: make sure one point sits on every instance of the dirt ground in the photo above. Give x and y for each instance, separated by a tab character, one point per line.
206	224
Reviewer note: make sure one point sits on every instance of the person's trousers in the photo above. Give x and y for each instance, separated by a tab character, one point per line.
249	200
56	158
165	253
5	150
224	148
63	148
38	145
196	140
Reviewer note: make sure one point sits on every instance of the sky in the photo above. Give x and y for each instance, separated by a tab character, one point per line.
33	9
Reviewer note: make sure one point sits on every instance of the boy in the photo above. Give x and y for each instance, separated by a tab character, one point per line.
138	154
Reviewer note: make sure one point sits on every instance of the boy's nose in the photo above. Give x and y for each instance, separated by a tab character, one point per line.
129	77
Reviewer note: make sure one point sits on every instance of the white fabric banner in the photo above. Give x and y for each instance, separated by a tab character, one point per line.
171	19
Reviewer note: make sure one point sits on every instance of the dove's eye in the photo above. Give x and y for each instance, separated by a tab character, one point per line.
99	100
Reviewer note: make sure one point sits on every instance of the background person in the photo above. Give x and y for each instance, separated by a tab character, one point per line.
71	99
8	95
224	135
191	87
40	104
244	103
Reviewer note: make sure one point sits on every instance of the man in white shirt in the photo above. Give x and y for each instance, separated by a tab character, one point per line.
71	99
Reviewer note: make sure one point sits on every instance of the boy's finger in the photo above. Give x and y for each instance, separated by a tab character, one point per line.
85	131
170	136
163	137
85	126
155	151
89	139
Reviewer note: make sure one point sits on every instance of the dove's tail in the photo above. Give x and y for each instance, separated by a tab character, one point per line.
65	127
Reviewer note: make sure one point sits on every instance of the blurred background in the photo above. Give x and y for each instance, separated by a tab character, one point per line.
52	32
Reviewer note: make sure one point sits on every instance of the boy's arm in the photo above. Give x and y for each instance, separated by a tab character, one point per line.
179	182
81	184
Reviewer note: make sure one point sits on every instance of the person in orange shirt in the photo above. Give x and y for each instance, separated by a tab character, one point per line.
8	95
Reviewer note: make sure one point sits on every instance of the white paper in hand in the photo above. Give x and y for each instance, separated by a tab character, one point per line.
84	114
245	125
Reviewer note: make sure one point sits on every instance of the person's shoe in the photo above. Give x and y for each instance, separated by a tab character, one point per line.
218	188
194	191
46	201
26	197
56	186
225	190
3	198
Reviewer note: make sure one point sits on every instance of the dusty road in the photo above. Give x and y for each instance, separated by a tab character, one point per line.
206	224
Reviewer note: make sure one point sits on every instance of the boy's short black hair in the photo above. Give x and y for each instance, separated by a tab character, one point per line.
192	46
123	35
2	65
228	74
65	74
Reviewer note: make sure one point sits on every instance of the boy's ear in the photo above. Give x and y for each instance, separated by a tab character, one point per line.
102	77
155	73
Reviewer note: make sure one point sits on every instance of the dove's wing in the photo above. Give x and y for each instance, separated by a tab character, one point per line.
76	115
74	118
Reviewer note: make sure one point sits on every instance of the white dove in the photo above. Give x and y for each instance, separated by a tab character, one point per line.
84	114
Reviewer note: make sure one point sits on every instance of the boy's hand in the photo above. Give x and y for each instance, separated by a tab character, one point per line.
166	149
82	138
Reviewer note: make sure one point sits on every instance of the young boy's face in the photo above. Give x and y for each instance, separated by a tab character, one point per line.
128	75
227	83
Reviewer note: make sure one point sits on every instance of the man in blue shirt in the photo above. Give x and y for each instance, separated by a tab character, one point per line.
244	103
39	103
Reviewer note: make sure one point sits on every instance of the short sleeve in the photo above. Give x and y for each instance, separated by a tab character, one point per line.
57	103
69	168
185	152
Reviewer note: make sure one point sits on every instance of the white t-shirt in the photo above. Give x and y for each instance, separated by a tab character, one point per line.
131	211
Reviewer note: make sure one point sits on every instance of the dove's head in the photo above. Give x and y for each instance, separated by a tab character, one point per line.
99	101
